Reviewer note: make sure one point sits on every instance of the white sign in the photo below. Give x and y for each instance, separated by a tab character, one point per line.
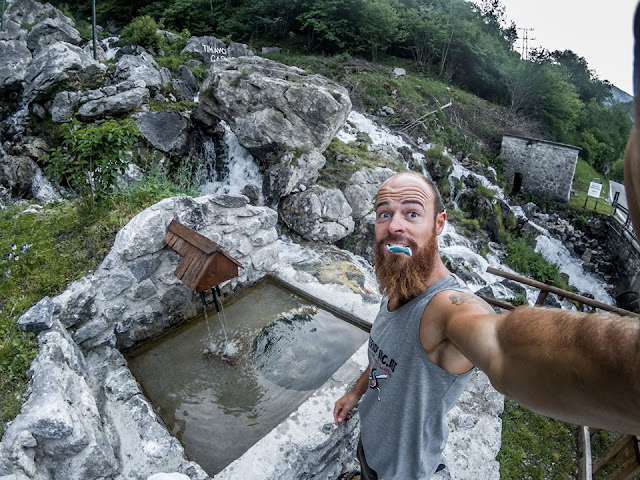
594	189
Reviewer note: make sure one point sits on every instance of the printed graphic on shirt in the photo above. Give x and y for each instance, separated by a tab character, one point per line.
373	380
385	366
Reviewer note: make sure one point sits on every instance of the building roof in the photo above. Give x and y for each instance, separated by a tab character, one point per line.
539	140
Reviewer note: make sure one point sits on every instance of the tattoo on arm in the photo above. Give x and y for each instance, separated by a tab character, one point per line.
460	298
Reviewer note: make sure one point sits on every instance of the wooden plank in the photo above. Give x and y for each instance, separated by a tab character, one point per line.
184	264
218	270
585	471
194	238
617	453
626	462
195	269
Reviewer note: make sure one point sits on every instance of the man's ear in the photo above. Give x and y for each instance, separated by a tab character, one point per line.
441	219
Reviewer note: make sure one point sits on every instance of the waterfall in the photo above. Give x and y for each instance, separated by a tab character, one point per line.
230	168
110	47
460	250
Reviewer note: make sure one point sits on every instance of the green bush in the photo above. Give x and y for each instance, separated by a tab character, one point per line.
617	170
522	257
91	156
141	31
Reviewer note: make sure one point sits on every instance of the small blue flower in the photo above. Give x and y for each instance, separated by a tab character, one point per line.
7	273
13	246
8	255
16	257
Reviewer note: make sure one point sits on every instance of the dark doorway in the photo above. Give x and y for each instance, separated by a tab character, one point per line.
517	183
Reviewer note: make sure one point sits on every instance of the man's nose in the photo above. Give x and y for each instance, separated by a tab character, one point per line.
396	224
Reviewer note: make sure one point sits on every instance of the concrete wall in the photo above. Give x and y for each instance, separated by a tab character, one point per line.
547	168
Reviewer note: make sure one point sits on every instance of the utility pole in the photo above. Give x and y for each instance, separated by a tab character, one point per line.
93	25
525	42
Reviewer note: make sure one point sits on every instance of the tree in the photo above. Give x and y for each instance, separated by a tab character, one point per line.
587	84
422	32
377	26
602	133
329	23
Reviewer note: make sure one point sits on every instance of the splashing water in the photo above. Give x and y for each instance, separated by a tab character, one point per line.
228	349
240	168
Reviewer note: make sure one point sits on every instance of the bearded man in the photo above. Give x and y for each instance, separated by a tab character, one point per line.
431	331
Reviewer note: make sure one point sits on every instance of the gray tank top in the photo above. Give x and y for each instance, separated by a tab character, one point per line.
402	415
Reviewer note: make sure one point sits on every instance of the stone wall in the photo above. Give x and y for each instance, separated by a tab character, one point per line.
546	168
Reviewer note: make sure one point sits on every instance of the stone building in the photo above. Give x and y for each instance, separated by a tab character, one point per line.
538	166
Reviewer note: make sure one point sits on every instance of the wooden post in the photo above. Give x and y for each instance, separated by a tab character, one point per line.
585	471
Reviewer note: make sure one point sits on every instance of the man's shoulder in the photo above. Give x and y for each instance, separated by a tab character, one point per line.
452	302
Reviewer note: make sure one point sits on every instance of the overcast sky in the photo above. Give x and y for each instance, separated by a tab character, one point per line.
600	31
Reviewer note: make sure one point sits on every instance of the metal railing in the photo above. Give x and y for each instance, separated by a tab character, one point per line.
629	231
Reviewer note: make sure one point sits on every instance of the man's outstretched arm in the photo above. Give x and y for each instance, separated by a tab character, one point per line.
577	367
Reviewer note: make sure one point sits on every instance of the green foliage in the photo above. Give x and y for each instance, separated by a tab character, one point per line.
617	170
175	46
534	446
91	156
141	31
343	160
522	257
484	192
603	133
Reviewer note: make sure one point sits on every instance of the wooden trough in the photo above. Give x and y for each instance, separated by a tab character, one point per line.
204	263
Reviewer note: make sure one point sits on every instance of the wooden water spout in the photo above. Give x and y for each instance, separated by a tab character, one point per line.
204	263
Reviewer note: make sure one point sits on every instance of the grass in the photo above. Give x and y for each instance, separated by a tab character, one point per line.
68	241
536	447
584	175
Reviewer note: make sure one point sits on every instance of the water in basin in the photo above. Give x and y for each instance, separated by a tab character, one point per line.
285	347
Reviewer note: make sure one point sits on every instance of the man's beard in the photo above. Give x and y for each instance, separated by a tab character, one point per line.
404	277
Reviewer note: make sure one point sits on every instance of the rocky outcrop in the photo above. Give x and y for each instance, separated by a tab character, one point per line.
21	177
166	131
294	172
30	12
49	31
211	49
186	85
362	189
273	108
361	193
141	67
12	31
318	214
14	58
116	99
55	64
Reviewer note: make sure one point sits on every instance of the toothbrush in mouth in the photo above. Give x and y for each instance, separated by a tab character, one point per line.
399	249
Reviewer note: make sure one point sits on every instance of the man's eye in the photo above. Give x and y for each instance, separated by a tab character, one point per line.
413	215
384	215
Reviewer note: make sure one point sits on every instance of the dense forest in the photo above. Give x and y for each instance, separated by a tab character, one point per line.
467	44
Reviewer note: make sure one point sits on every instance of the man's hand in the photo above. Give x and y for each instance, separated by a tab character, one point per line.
343	407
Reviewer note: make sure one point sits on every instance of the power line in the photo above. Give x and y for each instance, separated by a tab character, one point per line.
525	42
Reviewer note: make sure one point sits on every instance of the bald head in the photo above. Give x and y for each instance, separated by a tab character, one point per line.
398	181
